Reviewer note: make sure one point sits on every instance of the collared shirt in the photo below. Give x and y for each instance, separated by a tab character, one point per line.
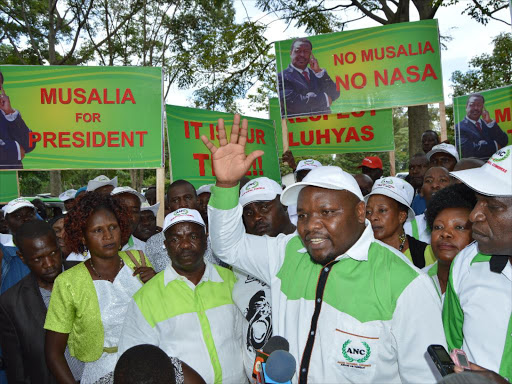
431	270
76	366
482	122
199	324
371	297
418	228
134	244
477	311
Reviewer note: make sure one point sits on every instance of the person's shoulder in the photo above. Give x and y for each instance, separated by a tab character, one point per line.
151	286
72	275
380	252
157	238
466	257
12	295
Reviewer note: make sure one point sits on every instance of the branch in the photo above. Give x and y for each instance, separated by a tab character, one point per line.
16	49
32	41
77	34
387	11
134	10
368	13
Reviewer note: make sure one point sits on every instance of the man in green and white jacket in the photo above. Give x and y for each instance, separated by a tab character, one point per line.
187	309
478	303
352	308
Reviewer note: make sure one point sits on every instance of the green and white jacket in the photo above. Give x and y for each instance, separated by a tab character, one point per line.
477	311
367	317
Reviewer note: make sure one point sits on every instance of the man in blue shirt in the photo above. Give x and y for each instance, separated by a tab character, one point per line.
17	212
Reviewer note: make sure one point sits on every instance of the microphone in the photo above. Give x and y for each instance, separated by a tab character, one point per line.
275	343
279	368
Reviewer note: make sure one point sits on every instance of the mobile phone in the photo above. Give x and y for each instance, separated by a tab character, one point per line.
441	359
459	358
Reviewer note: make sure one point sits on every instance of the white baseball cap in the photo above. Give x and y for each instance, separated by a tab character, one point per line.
328	177
396	189
446	148
207	188
259	189
101	181
153	208
307	164
120	190
494	178
183	215
16	204
67	195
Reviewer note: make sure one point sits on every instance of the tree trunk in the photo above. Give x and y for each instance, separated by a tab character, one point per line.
55	183
419	122
136	176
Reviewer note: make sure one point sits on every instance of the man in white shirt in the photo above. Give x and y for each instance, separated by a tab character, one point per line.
477	312
352	308
187	309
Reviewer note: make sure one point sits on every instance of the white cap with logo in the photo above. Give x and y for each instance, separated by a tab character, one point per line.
396	189
67	195
183	215
16	204
328	177
204	189
153	208
446	148
120	190
494	178
259	189
307	164
101	181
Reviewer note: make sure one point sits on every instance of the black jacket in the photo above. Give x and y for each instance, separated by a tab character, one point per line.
22	316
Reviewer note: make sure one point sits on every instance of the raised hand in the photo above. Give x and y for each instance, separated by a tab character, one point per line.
229	160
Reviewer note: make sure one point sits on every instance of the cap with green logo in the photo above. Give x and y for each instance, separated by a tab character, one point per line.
494	178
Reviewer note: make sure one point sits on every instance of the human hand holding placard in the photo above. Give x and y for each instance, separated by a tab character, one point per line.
229	160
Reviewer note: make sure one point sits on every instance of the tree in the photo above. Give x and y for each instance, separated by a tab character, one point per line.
196	43
483	10
486	71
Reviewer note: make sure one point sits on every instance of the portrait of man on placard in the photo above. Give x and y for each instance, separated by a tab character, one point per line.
304	87
478	135
14	133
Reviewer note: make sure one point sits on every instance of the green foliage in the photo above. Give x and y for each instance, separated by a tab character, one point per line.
486	71
482	10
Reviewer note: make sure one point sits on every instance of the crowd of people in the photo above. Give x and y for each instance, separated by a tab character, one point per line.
359	273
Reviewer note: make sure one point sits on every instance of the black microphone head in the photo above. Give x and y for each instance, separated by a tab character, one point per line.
276	343
280	366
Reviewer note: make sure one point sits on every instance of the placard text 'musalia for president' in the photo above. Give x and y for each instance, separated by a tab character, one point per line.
79	139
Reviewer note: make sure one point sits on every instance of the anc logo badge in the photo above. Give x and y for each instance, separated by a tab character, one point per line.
501	155
346	350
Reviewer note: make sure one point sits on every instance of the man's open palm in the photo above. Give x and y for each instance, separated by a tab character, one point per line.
229	160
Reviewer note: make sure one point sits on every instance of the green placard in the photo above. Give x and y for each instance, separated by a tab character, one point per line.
365	131
373	68
86	117
191	160
498	102
8	186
